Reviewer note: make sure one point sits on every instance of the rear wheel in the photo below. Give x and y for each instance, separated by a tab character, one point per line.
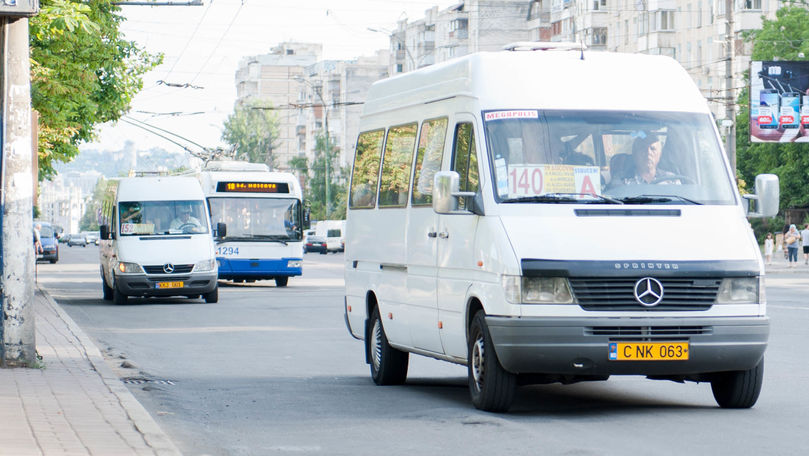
490	386
739	389
212	297
281	281
388	365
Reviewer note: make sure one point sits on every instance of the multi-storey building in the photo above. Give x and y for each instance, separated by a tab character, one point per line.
332	94
470	26
691	31
276	79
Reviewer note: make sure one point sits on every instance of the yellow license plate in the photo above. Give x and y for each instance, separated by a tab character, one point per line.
648	351
168	285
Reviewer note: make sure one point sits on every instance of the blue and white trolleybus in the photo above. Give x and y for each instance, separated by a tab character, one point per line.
263	213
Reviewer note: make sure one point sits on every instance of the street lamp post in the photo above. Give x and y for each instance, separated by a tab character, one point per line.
328	143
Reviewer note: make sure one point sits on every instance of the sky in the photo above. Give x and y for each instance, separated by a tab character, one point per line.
202	46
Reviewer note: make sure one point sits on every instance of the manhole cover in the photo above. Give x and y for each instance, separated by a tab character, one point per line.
143	381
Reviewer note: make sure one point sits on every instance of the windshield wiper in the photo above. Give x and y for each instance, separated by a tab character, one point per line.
273	237
564	198
648	199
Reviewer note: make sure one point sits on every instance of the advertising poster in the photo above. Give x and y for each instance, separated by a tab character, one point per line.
779	101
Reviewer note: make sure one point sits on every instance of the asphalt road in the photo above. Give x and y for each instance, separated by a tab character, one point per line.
274	371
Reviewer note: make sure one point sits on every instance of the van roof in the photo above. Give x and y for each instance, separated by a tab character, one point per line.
159	189
546	80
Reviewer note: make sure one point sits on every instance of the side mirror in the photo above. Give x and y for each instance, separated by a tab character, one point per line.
221	230
104	232
446	195
766	197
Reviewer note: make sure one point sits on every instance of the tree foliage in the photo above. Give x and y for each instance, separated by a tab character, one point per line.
83	73
316	185
253	133
783	38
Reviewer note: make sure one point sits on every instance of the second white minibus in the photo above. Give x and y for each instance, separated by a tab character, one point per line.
553	216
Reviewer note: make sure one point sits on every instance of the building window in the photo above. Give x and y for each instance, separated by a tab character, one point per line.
752	4
599	5
699	14
399	68
665	21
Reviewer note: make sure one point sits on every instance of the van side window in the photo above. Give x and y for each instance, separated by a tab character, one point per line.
428	160
465	159
396	165
366	169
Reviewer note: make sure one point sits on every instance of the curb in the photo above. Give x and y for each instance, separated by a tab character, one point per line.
141	419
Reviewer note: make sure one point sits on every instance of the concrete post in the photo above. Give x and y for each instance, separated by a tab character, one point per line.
18	346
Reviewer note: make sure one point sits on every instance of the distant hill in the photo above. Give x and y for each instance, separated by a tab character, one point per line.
118	163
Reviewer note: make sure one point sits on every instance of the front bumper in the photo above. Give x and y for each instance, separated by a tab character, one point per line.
257	269
146	284
580	346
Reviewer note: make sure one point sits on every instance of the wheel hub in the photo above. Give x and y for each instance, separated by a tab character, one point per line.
376	345
478	357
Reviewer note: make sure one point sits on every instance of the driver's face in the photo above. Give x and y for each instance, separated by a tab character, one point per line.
649	157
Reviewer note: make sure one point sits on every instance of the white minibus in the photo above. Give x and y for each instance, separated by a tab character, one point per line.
156	240
542	214
263	211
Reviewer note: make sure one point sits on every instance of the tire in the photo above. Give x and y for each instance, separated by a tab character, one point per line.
53	261
212	297
281	281
106	291
388	365
738	389
118	298
490	386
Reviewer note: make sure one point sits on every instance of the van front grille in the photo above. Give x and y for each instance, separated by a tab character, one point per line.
619	293
178	269
648	331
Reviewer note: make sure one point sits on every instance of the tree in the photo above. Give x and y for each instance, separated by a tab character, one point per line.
784	38
252	132
316	184
83	73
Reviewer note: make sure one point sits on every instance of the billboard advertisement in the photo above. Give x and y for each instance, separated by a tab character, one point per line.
779	101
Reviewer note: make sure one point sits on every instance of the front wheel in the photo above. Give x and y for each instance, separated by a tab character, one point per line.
118	298
388	365
106	290
281	281
212	297
490	386
739	389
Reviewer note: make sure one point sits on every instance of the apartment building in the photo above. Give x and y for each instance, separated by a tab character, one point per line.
691	31
469	26
276	78
332	94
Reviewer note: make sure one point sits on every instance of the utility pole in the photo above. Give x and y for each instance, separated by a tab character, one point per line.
326	149
730	101
18	346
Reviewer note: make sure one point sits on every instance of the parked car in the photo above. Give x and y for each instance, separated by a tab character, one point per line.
47	237
63	238
77	239
314	244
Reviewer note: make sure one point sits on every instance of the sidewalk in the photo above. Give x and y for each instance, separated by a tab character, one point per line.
74	404
780	264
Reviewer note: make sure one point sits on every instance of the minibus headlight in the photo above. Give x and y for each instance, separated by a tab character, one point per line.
294	263
738	290
205	265
546	290
129	268
537	290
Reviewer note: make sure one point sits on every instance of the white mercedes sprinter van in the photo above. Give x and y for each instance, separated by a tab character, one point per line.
547	215
156	240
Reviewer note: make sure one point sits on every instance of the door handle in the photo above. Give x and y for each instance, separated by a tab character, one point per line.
431	234
443	235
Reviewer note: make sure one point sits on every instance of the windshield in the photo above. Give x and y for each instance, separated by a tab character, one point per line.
606	157
140	218
258	219
45	231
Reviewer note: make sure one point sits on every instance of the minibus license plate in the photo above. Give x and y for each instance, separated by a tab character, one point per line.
648	351
168	285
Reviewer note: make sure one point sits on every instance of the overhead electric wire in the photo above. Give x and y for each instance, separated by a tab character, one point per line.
218	43
132	119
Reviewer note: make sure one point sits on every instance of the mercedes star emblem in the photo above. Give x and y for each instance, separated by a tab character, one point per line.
168	268
648	291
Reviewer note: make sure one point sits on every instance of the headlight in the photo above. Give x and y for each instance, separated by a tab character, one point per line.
294	263
743	290
205	265
537	290
129	268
